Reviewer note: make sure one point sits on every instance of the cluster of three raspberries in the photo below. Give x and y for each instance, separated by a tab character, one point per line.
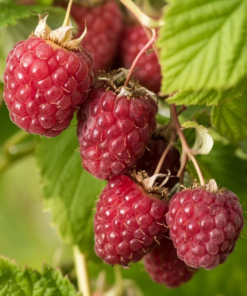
47	78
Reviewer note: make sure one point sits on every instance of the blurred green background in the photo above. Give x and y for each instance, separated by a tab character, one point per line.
28	237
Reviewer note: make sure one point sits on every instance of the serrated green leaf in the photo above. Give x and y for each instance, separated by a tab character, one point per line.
203	44
203	142
69	191
208	97
27	282
230	119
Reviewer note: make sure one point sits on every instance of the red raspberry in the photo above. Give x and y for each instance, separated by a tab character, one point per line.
204	226
149	161
104	24
113	131
149	73
127	222
45	84
164	266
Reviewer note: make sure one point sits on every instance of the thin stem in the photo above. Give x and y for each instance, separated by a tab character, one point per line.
143	50
66	20
186	149
82	272
17	138
144	20
166	151
119	280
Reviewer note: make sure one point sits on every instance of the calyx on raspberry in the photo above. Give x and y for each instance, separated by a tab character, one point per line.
205	224
164	266
128	222
47	78
115	125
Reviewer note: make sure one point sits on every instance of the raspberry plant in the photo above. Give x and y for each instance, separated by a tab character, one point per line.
172	164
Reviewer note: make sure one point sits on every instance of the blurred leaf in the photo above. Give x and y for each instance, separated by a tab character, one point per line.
208	97
230	119
28	282
1	93
203	44
69	191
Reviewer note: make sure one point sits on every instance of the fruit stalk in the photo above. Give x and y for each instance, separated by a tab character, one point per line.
146	22
119	280
143	50
186	153
66	20
82	272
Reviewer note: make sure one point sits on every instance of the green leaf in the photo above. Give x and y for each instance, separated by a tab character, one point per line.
203	44
69	191
230	119
28	282
1	93
208	97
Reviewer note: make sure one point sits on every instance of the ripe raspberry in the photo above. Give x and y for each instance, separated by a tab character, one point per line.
164	266
204	226
149	73
113	131
45	82
104	24
127	222
149	161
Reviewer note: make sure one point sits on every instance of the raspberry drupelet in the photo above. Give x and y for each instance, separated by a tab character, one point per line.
114	128
47	78
164	266
204	225
104	23
128	222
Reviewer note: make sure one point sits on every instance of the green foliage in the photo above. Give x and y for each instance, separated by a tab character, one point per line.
203	44
69	191
208	97
230	119
28	282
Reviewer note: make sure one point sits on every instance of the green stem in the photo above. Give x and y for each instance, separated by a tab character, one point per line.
14	149
82	272
66	20
119	280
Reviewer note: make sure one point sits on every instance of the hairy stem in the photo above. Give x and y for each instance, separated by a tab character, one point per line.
186	153
82	272
143	50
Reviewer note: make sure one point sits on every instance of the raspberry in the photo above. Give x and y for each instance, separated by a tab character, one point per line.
127	222
164	266
104	24
45	84
149	161
204	226
113	131
149	73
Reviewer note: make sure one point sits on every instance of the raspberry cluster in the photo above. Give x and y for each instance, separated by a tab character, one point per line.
50	75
